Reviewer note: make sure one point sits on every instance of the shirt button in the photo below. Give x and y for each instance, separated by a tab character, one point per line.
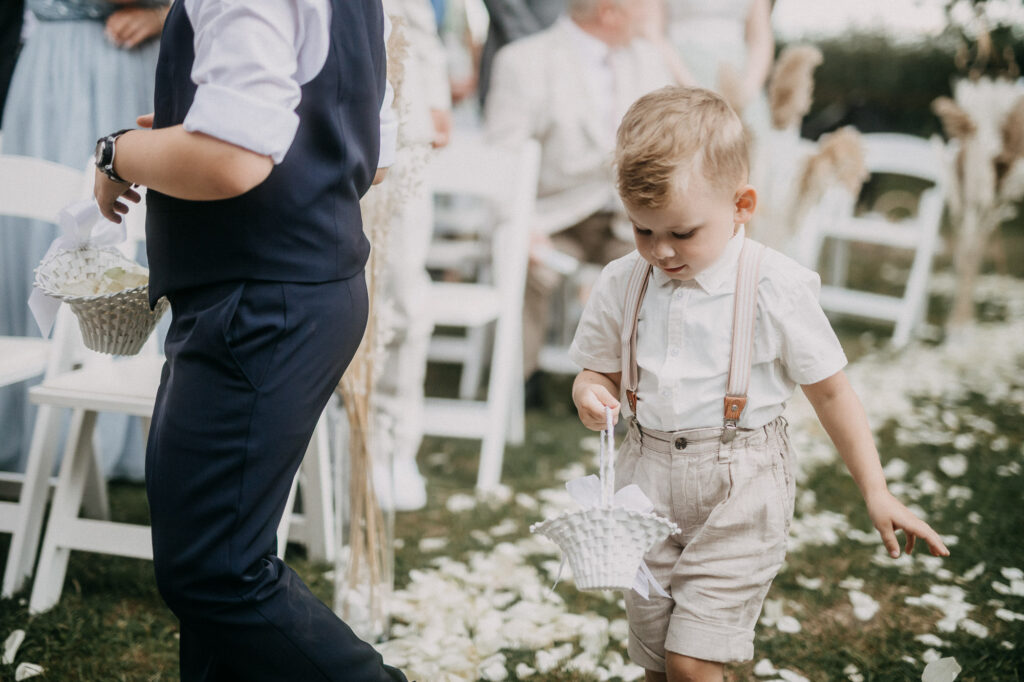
680	443
679	293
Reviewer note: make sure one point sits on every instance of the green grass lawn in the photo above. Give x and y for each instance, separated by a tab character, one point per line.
111	625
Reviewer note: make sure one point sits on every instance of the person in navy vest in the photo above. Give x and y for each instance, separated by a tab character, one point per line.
266	131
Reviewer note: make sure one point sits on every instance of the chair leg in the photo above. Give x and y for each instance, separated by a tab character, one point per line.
67	501
95	503
517	403
284	527
492	449
473	367
32	501
317	498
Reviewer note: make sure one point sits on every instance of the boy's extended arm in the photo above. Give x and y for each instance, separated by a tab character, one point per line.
592	392
842	415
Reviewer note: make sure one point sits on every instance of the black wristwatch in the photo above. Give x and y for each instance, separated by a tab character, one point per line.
104	155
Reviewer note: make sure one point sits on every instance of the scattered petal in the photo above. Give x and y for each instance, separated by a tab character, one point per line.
27	670
941	670
864	606
460	502
11	645
764	668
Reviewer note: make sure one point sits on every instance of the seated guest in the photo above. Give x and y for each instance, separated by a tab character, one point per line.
568	87
511	20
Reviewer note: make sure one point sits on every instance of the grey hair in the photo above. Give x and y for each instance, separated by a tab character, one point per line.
585	9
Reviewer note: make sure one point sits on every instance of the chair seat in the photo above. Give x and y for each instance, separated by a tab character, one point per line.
877	230
128	386
861	303
22	358
459	304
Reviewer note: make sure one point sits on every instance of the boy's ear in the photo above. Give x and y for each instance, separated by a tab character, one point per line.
745	203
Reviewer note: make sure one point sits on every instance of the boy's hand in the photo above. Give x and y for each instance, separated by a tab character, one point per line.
591	400
890	515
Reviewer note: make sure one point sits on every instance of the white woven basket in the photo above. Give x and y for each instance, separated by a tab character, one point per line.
605	546
117	323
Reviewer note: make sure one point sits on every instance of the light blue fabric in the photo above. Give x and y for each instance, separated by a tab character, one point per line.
70	86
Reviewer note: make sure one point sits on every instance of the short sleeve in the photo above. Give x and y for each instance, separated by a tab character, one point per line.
597	344
810	350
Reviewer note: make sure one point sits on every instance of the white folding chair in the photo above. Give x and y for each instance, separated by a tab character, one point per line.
506	178
37	190
125	386
896	154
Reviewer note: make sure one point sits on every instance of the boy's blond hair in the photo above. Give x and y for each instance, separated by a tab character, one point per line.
670	135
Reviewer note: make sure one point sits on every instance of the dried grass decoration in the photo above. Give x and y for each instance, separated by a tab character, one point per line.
108	292
791	90
605	542
364	569
985	121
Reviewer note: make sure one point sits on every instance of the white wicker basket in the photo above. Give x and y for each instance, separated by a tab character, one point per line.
604	543
605	546
117	323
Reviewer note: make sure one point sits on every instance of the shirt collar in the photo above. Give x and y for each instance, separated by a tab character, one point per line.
594	49
716	275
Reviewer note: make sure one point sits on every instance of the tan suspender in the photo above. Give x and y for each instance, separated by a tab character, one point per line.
743	322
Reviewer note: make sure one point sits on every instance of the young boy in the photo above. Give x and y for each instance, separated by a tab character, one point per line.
696	316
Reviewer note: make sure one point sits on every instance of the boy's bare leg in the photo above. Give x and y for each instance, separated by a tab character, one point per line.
687	669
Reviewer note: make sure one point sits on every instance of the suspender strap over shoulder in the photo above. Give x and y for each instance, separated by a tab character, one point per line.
635	291
744	316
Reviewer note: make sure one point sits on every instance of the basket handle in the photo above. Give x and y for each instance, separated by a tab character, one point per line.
607	463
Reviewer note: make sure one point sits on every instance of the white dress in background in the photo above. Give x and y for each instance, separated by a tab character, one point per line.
707	36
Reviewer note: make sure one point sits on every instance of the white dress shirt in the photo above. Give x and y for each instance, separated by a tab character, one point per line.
251	59
596	58
684	339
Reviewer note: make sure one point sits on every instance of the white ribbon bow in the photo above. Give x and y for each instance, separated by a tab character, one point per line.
586	491
82	226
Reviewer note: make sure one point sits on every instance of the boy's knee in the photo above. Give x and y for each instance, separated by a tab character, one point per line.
688	669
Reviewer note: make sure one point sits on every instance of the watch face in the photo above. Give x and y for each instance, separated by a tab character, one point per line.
101	152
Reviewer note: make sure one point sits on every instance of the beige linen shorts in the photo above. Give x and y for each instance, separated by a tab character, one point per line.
734	503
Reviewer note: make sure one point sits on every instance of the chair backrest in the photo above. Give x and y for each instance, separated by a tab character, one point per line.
505	177
915	157
38	189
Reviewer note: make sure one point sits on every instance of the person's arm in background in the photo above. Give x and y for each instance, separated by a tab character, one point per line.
760	49
131	26
512	19
428	51
653	28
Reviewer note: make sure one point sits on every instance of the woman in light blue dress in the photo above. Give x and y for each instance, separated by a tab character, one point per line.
87	69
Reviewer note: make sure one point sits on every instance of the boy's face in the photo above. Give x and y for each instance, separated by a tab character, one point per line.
690	233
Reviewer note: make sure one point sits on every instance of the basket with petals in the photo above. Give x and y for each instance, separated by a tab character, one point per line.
108	293
605	542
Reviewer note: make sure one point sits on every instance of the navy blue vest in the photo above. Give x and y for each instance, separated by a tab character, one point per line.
302	224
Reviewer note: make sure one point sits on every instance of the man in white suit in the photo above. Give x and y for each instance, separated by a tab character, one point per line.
424	108
568	87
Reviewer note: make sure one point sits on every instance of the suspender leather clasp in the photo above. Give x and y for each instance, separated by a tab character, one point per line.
631	399
734	405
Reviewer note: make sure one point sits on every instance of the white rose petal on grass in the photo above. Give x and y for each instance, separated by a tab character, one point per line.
427	545
964	441
493	669
506	527
11	645
523	671
1008	616
931	640
1009	646
864	606
764	668
851	583
526	502
790	676
789	625
974	518
1012	573
953	466
930	656
1005	470
974	628
460	502
27	670
809	583
941	670
852	673
895	469
974	573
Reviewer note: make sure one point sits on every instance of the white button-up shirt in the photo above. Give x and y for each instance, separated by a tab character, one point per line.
684	339
251	59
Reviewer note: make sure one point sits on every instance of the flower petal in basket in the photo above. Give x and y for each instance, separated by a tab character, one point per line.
605	546
116	323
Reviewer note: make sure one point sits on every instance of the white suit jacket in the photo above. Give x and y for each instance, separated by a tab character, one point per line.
539	91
